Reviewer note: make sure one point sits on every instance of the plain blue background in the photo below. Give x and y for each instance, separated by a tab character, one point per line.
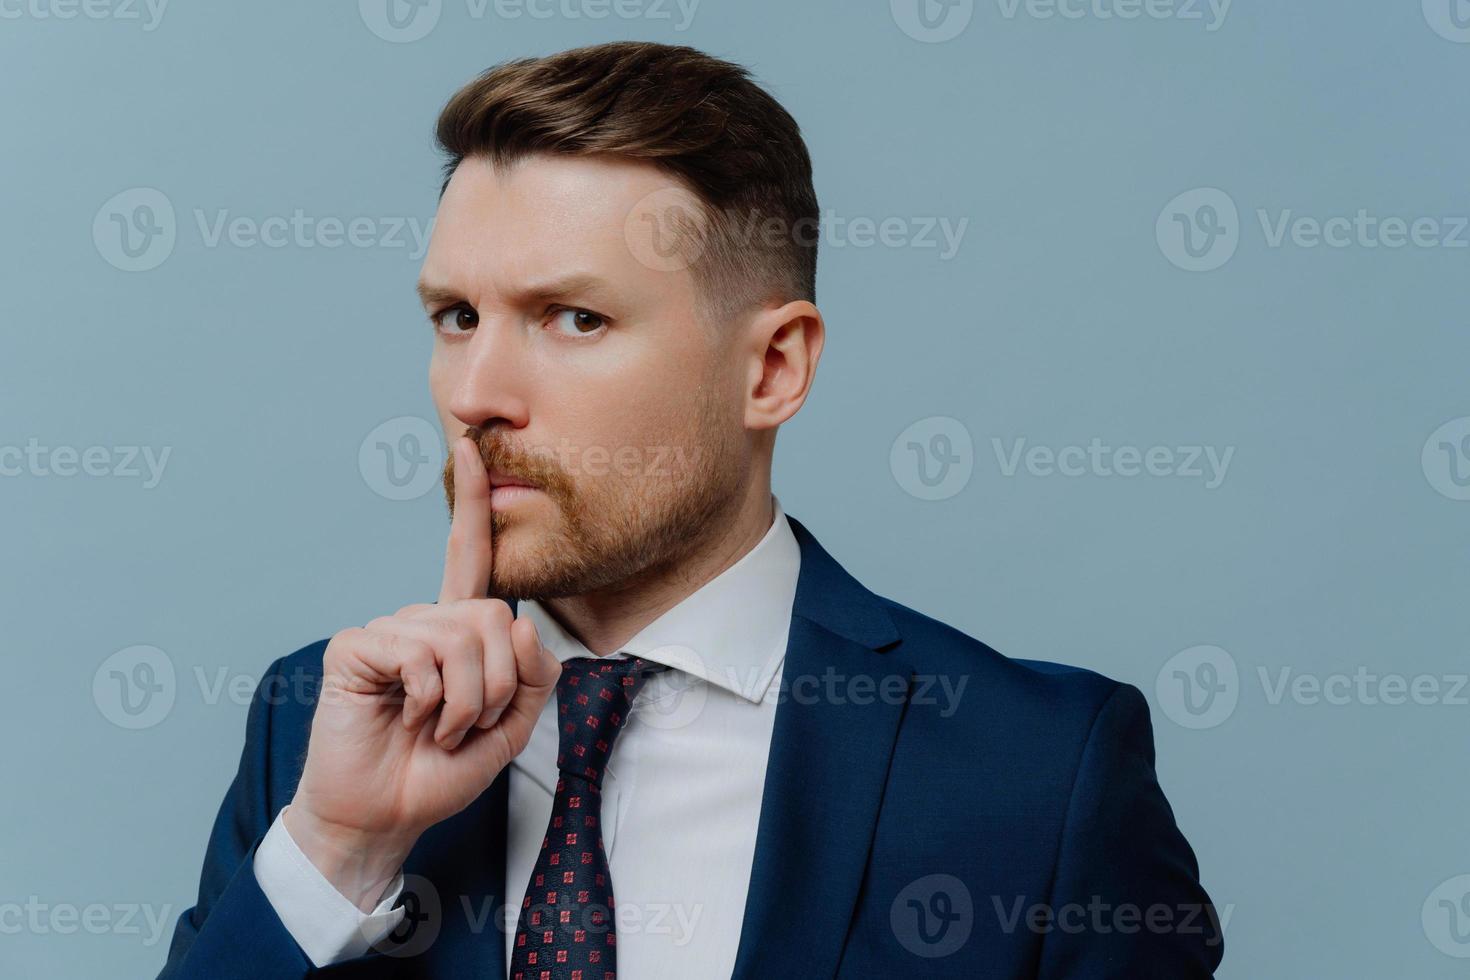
1335	543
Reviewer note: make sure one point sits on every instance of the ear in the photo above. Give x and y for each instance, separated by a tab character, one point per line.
785	344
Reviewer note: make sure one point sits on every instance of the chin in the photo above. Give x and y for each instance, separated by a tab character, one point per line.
524	565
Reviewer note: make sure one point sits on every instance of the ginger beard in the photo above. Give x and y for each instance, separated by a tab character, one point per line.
598	529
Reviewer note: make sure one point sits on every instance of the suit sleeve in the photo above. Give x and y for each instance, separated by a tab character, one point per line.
1126	899
232	930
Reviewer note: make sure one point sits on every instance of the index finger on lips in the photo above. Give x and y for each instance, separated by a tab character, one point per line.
469	554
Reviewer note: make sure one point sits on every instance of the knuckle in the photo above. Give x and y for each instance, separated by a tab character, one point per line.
442	635
495	615
499	690
459	642
398	648
392	646
443	626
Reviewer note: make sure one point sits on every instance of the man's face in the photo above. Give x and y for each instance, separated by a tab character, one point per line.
580	360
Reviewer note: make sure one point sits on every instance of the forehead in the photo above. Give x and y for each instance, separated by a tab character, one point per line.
542	213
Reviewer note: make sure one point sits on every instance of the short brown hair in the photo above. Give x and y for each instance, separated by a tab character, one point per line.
696	117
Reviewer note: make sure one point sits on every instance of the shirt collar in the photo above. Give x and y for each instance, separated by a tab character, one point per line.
730	632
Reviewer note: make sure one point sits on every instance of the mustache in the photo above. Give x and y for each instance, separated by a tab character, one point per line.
497	453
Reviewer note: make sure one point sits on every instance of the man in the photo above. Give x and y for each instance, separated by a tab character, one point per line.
650	727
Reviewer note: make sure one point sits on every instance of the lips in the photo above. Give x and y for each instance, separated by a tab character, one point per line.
503	480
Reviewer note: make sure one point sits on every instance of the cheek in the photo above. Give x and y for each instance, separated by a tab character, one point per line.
628	442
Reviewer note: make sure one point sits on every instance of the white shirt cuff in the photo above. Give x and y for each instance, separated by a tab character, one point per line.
326	926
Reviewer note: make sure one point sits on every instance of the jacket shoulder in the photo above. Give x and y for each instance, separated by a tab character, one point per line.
995	684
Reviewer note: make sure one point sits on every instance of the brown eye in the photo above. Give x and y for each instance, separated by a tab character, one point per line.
576	322
456	319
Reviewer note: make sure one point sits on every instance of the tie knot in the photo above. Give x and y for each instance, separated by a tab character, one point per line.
593	698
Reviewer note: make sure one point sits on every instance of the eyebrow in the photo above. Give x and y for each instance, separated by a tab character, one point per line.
583	283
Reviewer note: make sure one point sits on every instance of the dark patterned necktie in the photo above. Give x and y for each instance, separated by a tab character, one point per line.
566	929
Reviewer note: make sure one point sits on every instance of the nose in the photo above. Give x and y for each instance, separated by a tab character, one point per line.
488	383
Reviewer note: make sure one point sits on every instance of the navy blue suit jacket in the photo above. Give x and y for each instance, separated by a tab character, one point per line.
1015	831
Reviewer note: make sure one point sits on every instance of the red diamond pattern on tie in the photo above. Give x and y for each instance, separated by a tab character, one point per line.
566	929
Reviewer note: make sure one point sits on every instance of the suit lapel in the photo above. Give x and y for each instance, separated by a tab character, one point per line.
842	701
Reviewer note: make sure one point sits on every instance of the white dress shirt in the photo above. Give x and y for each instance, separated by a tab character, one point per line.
681	794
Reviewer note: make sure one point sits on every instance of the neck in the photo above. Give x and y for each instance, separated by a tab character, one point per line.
606	619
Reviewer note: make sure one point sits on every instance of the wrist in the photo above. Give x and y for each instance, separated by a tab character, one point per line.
359	864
